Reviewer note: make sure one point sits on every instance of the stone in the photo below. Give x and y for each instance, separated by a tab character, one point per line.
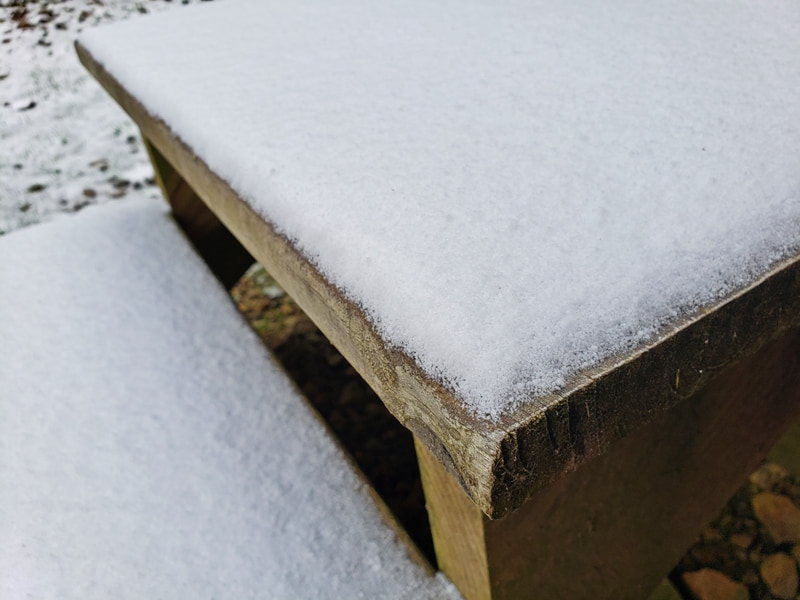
708	584
710	534
742	540
779	515
779	572
755	556
768	475
750	577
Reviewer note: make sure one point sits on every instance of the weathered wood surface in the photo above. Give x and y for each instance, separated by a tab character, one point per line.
457	528
616	526
498	464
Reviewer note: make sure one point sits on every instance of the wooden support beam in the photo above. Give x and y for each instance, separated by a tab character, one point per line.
456	526
613	528
218	247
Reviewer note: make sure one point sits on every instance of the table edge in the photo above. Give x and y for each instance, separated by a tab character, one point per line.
499	464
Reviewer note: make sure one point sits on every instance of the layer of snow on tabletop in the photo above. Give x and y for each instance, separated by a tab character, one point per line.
549	182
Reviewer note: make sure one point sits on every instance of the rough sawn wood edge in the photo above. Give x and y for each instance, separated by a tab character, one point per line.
625	392
499	465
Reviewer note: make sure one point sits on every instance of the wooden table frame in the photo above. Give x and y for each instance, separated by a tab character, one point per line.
592	492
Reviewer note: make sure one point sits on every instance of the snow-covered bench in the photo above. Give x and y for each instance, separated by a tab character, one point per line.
149	445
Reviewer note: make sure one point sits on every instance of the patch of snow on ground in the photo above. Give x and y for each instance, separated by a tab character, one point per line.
64	143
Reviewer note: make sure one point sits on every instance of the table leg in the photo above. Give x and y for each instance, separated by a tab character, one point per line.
223	253
613	528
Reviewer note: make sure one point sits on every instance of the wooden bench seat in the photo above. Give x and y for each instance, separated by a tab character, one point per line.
149	445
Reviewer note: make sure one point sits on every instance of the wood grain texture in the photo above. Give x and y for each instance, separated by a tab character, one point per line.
615	527
457	528
500	464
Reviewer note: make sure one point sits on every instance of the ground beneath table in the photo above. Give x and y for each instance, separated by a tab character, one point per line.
751	550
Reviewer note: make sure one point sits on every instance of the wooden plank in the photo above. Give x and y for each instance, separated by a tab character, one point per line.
218	247
615	527
503	463
457	528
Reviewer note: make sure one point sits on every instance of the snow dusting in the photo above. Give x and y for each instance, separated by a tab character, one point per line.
512	191
172	459
64	144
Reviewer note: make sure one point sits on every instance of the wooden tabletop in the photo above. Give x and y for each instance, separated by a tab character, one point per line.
500	459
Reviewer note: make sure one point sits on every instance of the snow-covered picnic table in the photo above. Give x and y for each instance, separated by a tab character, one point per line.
544	232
